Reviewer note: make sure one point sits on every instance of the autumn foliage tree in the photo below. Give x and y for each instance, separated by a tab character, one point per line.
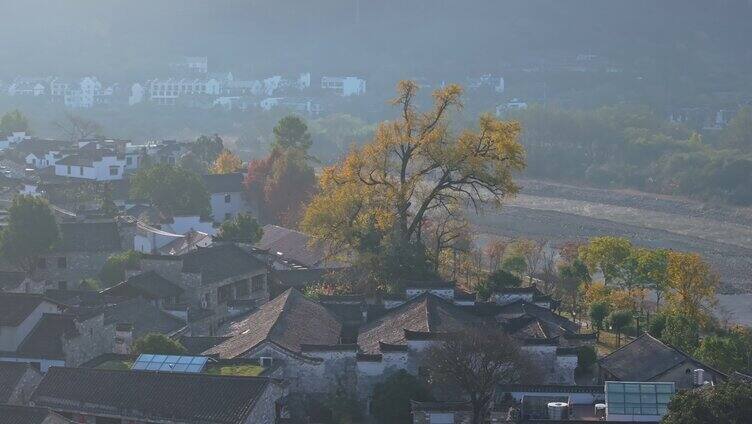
379	198
280	185
226	163
691	286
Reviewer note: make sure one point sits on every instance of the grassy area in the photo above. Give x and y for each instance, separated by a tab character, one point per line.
241	370
115	365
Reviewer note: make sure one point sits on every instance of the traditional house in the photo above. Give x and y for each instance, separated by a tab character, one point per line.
648	359
150	286
225	195
65	339
222	279
81	253
95	395
92	164
20	315
299	333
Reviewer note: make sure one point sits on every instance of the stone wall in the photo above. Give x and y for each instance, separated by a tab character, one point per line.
564	369
265	409
78	266
26	386
94	339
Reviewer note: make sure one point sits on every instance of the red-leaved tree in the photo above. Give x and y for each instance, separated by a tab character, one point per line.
280	185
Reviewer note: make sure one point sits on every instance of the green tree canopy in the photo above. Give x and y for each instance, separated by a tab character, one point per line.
292	133
727	352
114	269
242	227
598	313
619	321
13	121
515	264
31	232
173	190
497	280
729	402
391	398
681	331
207	148
157	344
606	254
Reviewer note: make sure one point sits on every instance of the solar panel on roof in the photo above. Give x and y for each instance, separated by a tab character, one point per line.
170	363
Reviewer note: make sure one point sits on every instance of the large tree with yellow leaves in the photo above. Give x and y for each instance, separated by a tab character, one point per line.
377	200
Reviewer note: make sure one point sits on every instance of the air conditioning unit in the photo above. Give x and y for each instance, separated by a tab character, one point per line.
557	410
698	377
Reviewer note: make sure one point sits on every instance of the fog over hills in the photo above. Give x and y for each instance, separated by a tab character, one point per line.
120	39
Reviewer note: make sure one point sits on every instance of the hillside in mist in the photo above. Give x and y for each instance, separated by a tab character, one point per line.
137	38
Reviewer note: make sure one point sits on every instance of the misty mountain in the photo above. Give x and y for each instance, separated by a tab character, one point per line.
401	38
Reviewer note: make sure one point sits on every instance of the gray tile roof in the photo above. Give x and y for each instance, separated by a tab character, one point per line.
426	313
46	338
145	317
289	320
224	183
14	414
293	245
16	307
643	359
152	396
148	284
89	237
219	262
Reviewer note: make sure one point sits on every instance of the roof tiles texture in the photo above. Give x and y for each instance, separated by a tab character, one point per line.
194	398
219	262
642	359
424	313
289	320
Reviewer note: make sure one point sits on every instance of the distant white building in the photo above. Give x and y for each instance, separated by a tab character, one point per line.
151	238
138	92
92	164
31	87
83	96
166	91
514	104
487	80
344	86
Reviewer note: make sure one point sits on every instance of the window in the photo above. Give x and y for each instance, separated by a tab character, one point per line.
228	198
69	170
129	161
224	293
62	262
441	418
42	263
114	170
241	289
257	283
80	170
266	361
228	215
